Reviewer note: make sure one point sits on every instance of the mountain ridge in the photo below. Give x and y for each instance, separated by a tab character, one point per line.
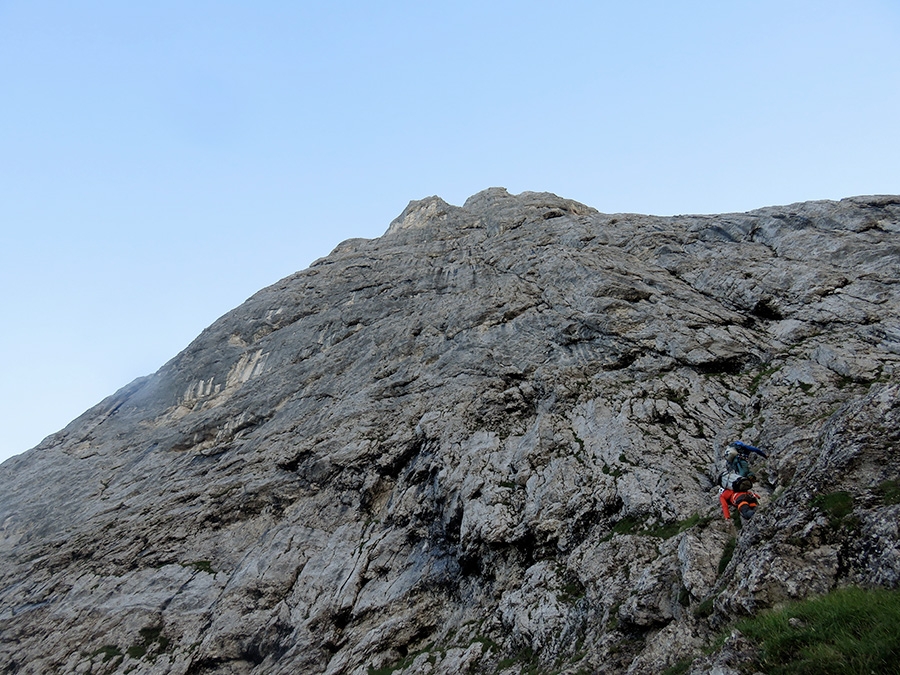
494	430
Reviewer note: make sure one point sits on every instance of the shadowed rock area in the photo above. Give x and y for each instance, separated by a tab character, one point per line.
485	442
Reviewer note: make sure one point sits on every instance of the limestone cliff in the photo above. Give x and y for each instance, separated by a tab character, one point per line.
483	442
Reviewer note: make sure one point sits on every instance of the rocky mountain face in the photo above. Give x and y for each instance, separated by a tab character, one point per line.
485	442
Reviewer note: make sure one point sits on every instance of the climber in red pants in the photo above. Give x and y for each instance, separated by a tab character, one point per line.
745	502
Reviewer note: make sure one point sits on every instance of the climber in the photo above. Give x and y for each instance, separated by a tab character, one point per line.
737	475
745	502
737	458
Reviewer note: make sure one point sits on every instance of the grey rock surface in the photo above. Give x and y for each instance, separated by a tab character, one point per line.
484	442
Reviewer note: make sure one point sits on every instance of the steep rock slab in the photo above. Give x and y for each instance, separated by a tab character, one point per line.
484	441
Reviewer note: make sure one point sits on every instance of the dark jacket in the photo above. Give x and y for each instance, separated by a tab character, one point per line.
741	464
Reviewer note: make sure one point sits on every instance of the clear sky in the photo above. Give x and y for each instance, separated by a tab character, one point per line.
161	161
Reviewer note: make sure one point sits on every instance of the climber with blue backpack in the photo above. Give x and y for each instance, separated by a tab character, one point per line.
737	457
737	475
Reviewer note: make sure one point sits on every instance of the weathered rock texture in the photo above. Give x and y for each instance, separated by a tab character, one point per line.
483	442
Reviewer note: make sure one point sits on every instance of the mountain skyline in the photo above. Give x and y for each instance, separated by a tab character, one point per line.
164	161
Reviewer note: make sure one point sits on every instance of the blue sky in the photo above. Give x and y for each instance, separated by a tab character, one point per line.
162	161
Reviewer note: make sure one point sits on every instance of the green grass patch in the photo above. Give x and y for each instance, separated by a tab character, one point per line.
152	644
615	473
664	531
758	378
835	505
848	631
526	658
153	634
137	651
571	593
889	492
636	525
579	441
679	667
727	554
628	525
201	566
612	622
486	643
705	608
407	661
678	397
387	670
668	530
844	381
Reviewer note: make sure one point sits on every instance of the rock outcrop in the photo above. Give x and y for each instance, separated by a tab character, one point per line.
485	442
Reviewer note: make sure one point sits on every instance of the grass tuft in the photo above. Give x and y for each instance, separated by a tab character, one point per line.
727	554
848	631
836	506
889	492
679	668
705	608
669	530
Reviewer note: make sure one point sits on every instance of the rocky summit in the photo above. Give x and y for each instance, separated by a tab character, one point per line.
487	441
